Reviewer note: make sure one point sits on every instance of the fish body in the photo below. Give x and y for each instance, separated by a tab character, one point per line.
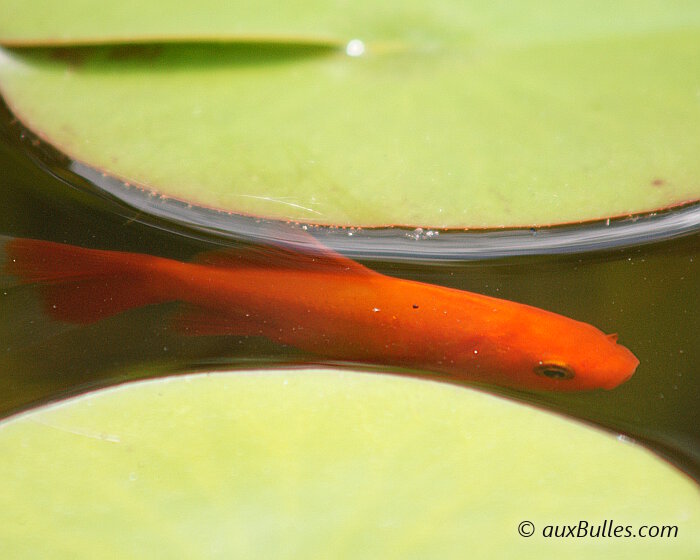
334	308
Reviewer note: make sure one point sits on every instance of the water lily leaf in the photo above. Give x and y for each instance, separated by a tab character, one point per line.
446	114
324	464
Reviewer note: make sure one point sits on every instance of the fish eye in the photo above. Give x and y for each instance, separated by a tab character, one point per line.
554	371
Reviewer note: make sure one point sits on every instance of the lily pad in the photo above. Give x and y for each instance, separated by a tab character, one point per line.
324	464
446	114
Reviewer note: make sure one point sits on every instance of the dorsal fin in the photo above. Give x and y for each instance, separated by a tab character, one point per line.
298	250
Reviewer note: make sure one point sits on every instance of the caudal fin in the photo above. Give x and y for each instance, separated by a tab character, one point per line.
81	285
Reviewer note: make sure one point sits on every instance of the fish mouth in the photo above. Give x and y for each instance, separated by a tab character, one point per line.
628	364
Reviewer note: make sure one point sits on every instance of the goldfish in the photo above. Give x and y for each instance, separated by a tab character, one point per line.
331	307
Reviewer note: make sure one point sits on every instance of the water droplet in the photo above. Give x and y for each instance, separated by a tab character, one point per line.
355	47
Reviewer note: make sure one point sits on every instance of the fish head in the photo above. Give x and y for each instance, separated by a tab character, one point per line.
560	354
533	349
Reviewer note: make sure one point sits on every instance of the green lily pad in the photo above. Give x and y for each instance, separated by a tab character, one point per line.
453	114
324	464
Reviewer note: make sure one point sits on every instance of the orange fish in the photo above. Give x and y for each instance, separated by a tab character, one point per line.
332	307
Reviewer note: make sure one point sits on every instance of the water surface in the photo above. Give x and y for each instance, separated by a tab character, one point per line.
645	290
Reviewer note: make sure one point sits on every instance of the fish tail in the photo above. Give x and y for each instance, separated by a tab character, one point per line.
80	285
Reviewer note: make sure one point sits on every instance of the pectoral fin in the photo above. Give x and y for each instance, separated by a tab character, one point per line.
199	321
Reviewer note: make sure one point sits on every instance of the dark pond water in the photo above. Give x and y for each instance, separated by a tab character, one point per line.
641	283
